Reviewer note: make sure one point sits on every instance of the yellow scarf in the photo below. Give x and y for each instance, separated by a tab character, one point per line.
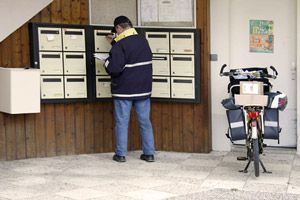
125	34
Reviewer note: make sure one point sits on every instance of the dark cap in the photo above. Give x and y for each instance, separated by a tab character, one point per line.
122	19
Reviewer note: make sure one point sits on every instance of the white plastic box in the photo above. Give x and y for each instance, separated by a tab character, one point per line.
19	90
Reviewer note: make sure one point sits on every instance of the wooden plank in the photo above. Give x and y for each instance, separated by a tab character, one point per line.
55	9
156	120
60	137
89	128
46	14
84	12
99	126
2	138
177	127
188	127
199	136
50	130
36	18
30	136
70	128
6	52
40	129
25	60
204	110
79	128
109	136
20	136
167	127
75	12
11	140
16	49
66	11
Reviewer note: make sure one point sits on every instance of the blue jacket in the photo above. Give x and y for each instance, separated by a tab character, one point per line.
130	66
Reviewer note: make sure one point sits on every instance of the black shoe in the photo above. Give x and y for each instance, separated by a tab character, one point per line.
119	158
148	158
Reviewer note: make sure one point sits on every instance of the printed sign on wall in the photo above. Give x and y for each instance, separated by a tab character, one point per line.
261	36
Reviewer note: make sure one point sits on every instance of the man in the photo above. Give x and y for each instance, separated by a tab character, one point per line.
130	66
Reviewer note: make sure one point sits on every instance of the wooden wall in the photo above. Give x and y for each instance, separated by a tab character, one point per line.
75	128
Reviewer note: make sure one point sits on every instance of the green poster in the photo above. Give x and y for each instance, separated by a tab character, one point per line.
261	36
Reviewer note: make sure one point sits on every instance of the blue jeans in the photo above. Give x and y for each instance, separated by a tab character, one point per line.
122	116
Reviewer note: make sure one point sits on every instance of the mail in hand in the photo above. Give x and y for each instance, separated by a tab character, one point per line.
101	56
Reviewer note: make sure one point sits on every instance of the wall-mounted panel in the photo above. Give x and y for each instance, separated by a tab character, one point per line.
173	56
72	57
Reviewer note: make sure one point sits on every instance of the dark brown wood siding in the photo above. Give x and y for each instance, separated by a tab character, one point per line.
75	128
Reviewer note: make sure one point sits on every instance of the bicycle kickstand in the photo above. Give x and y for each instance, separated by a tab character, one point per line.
264	168
245	170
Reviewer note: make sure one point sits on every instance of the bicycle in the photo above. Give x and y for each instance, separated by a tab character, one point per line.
250	100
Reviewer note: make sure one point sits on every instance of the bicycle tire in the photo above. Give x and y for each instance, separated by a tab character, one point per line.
256	157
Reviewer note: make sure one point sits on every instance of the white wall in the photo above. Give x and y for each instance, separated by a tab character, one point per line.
230	40
298	75
219	29
14	13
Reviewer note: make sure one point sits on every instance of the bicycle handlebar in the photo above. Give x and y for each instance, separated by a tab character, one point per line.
222	68
274	70
251	74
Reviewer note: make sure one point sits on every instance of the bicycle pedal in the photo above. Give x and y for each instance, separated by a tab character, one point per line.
241	158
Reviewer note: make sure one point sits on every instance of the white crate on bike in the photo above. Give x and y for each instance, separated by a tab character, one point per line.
251	87
251	100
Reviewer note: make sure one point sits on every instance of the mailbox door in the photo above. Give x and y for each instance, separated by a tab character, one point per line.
161	87
49	39
52	87
183	88
73	39
101	43
161	64
51	63
182	43
182	65
158	41
103	89
74	63
75	87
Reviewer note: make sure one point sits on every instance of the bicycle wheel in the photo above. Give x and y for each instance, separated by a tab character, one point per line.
256	156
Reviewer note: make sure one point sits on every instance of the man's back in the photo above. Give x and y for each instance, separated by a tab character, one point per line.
130	65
